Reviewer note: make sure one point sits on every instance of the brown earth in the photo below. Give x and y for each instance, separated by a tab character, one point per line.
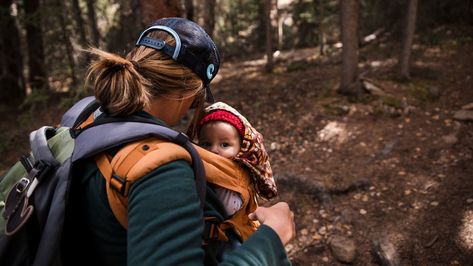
398	168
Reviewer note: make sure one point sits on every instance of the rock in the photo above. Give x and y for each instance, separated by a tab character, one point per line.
316	237
289	247
469	201
334	132
363	211
274	146
384	253
463	115
372	88
323	230
304	232
343	249
434	92
450	139
468	106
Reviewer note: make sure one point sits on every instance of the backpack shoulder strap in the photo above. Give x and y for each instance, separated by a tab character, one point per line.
132	162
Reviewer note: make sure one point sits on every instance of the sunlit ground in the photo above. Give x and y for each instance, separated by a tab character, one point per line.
466	230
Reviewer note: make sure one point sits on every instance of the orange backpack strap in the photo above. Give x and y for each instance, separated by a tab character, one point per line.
139	158
132	162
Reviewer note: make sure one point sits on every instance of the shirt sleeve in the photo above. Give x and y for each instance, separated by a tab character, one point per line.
165	224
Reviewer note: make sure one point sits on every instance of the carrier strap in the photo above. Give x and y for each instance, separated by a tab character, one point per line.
130	164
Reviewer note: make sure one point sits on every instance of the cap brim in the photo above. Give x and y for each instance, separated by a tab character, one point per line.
209	96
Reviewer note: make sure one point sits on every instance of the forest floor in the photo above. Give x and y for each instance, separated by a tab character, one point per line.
392	170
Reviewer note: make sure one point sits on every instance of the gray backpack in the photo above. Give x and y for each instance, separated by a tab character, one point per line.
34	191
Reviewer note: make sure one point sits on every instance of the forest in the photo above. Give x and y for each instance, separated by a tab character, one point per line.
366	107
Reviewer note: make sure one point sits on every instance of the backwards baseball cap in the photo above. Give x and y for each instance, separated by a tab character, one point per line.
194	48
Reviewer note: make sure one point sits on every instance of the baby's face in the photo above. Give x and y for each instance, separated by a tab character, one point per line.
220	138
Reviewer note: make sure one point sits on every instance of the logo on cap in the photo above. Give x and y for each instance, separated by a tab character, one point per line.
210	71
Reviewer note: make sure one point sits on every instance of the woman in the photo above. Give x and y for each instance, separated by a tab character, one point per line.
167	72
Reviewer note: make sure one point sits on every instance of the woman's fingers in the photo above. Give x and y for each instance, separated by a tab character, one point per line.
279	217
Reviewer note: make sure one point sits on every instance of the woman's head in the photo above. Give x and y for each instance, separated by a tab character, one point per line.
174	59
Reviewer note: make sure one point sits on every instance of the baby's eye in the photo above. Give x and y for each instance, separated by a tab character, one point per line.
205	144
225	145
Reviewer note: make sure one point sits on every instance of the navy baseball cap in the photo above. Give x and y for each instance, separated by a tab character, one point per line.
194	48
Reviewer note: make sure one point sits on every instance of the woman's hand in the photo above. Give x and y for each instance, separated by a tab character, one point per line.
279	217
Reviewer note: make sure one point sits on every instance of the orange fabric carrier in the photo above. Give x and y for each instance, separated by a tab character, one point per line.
138	158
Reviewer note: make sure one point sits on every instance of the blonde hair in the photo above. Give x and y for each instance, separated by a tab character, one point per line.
126	85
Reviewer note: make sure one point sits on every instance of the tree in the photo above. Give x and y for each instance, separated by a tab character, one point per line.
34	38
93	22
349	11
209	16
269	36
11	76
155	9
66	40
121	37
189	6
77	13
405	56
321	26
79	28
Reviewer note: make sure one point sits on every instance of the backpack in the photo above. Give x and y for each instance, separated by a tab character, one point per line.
34	191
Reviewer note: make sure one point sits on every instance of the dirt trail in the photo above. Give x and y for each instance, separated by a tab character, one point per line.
397	168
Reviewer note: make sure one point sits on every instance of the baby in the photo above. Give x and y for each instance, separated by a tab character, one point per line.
224	131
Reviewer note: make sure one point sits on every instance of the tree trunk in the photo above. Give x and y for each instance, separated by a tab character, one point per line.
79	26
11	77
269	35
189	9
93	23
321	27
349	12
152	10
67	42
77	13
121	37
405	56
209	16
281	17
34	38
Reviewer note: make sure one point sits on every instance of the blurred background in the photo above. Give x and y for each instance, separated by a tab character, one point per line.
366	107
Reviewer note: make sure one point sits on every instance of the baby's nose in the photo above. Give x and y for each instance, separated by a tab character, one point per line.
214	149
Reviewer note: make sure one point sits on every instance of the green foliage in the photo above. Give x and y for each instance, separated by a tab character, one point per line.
421	92
335	109
35	101
297	66
392	102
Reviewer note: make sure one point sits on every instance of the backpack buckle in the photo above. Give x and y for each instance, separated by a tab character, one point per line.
22	185
212	231
119	184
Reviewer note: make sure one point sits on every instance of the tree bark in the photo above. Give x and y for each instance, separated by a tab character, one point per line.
67	42
189	9
121	37
268	34
77	13
209	17
349	12
321	27
405	56
92	17
11	77
152	10
34	38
